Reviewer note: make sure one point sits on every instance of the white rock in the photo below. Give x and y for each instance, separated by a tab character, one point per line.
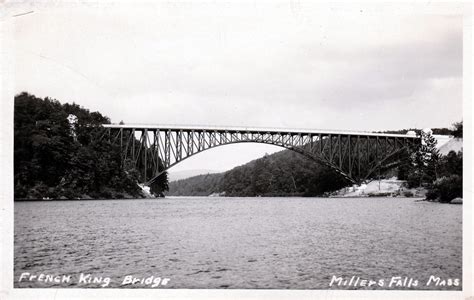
456	201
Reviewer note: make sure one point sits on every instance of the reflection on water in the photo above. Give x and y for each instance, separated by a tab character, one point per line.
275	243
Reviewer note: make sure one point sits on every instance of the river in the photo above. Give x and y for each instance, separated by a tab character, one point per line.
269	243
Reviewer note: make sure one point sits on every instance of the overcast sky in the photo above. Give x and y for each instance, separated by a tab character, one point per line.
261	65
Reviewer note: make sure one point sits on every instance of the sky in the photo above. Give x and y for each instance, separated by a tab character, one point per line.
252	64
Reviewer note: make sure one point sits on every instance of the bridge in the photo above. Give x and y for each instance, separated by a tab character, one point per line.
153	149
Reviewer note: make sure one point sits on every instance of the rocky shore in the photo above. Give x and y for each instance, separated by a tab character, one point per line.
380	188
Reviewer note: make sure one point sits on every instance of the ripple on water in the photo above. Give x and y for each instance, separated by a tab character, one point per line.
239	242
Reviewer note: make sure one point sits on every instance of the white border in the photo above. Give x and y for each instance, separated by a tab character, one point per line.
6	210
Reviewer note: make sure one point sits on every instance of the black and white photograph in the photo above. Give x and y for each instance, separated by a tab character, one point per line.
252	149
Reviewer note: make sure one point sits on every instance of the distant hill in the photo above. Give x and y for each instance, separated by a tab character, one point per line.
284	173
200	185
178	175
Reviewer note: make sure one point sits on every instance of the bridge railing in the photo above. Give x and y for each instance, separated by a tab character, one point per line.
141	126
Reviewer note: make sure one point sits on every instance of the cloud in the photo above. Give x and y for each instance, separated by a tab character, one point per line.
235	65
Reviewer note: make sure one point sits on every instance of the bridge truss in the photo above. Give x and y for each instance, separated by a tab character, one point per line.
354	155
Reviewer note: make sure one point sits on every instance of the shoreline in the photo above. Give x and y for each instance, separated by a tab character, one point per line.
177	197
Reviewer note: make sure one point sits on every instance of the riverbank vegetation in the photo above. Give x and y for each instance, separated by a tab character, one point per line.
440	174
447	181
56	155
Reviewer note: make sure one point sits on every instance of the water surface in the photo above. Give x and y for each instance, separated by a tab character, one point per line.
271	243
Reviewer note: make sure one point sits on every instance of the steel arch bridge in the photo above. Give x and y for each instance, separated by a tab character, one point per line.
153	149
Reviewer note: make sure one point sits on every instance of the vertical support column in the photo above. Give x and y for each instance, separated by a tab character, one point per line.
133	145
349	140
339	150
358	156
330	147
188	144
377	149
145	153
156	153
311	144
167	148
367	154
179	145
193	140
161	154
122	157
121	139
320	145
127	146
377	156
198	139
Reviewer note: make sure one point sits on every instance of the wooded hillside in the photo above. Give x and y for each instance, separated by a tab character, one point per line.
56	156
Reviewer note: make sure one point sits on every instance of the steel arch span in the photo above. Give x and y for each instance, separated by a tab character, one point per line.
356	156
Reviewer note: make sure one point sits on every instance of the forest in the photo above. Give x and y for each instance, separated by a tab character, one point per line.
58	155
285	173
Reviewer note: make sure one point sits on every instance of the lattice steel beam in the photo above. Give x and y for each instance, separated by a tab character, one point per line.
356	156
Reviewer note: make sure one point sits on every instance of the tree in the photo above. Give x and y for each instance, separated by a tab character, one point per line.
160	184
261	177
445	188
457	131
431	157
449	184
424	161
451	164
442	175
404	167
51	160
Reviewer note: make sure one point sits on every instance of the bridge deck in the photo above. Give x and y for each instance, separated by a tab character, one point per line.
252	129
